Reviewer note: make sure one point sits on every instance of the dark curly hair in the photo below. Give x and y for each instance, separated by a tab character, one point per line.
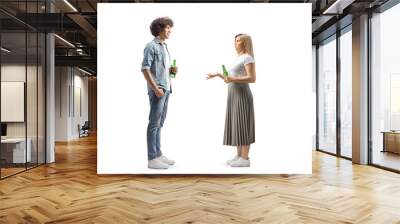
159	25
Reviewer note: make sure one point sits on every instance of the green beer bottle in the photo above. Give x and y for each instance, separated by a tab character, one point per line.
224	71
172	75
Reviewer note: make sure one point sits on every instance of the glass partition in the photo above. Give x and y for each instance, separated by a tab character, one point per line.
14	153
22	77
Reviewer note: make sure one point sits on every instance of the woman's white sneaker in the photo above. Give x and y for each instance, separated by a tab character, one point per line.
233	159
157	164
240	162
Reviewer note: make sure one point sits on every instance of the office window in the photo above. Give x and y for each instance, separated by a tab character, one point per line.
385	88
327	96
314	91
346	93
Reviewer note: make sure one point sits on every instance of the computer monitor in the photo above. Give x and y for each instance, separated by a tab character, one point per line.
3	129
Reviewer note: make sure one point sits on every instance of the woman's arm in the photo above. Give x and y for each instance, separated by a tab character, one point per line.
212	75
250	76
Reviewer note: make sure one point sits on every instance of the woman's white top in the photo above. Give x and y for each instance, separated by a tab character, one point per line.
237	68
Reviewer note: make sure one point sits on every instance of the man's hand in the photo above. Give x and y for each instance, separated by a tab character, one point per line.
159	92
173	70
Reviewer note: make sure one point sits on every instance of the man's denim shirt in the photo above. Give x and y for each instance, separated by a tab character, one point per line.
154	60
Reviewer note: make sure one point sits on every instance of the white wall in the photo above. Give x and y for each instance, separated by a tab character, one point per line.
80	83
68	83
61	103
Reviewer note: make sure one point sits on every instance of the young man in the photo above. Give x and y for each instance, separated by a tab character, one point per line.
156	69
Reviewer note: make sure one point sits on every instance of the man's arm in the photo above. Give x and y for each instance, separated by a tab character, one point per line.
148	59
149	79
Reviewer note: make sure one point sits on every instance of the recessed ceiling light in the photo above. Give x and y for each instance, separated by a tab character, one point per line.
86	72
70	5
5	49
338	6
64	40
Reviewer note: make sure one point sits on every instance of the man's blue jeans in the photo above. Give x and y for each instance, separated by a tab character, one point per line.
158	112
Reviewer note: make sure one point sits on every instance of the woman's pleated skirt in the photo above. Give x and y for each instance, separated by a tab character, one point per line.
239	121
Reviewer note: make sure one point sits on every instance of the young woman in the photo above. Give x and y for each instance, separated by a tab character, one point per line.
239	121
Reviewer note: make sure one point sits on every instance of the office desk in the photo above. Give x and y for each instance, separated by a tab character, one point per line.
13	150
391	141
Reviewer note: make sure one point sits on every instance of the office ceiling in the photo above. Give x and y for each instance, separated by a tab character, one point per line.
76	21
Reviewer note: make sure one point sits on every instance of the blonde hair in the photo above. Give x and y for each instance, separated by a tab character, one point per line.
248	44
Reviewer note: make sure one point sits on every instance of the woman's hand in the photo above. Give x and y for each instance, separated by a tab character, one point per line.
228	79
211	75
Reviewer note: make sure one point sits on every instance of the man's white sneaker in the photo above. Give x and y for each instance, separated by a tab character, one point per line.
240	162
166	160
157	164
233	159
